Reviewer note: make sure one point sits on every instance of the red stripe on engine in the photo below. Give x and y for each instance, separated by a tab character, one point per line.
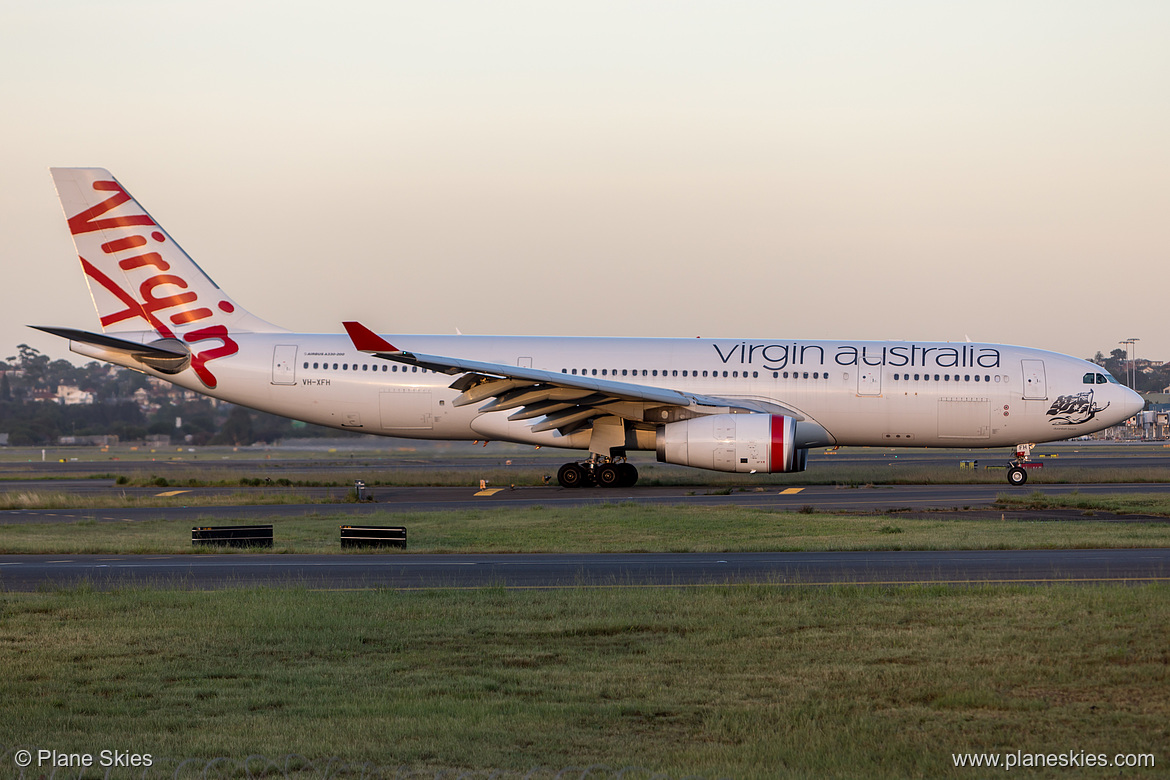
777	462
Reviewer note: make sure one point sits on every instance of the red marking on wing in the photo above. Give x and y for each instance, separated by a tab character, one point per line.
366	340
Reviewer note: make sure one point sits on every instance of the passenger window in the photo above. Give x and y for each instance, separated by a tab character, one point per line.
334	366
574	372
704	373
654	372
594	372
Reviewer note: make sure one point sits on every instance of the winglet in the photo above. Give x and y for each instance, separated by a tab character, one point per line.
366	340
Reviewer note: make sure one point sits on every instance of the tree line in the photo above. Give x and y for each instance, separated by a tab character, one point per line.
31	416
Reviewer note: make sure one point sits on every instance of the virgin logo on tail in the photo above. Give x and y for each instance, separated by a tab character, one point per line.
164	294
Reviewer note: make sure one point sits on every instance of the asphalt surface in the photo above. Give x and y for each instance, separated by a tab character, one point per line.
914	499
28	572
397	571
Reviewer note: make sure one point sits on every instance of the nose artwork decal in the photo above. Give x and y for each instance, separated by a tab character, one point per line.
1074	409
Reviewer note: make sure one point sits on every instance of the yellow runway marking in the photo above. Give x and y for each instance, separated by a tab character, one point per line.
790	491
489	492
170	493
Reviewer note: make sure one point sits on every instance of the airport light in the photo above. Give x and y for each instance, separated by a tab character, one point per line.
1131	368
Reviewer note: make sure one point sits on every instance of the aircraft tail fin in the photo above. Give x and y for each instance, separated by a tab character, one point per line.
140	279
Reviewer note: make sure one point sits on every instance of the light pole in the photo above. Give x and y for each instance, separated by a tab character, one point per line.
1131	368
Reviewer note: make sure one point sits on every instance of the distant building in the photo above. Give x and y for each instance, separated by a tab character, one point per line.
67	395
98	441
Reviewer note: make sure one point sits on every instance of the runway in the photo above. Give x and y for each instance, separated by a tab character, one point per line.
412	572
916	499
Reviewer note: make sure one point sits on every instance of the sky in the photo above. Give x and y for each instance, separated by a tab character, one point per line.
998	171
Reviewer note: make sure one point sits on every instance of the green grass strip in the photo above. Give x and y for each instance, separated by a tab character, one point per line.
746	681
623	527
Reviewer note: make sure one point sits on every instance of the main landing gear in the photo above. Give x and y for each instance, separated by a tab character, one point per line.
1017	474
603	473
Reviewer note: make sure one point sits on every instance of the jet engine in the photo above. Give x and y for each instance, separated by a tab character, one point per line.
733	442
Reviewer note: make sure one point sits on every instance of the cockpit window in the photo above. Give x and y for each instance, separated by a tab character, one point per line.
1104	378
1089	378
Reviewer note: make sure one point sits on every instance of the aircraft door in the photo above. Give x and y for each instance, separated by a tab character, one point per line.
406	408
284	364
869	380
1035	386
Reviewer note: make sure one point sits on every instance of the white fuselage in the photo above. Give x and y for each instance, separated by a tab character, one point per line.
861	393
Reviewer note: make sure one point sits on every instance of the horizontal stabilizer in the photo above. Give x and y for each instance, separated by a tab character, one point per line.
170	356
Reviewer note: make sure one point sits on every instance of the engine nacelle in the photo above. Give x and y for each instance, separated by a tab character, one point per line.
733	442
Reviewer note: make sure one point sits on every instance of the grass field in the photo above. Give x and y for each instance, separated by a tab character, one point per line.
749	681
626	527
746	682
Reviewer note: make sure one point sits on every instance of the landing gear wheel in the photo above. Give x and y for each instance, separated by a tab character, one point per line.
1017	476
609	475
629	474
571	475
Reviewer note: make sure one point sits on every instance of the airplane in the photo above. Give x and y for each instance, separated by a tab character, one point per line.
733	405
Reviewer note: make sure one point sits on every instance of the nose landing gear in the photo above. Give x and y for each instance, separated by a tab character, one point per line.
597	471
1017	474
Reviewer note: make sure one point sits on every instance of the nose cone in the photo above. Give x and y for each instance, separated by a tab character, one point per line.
1131	403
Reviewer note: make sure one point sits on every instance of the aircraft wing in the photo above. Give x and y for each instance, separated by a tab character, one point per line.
566	402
